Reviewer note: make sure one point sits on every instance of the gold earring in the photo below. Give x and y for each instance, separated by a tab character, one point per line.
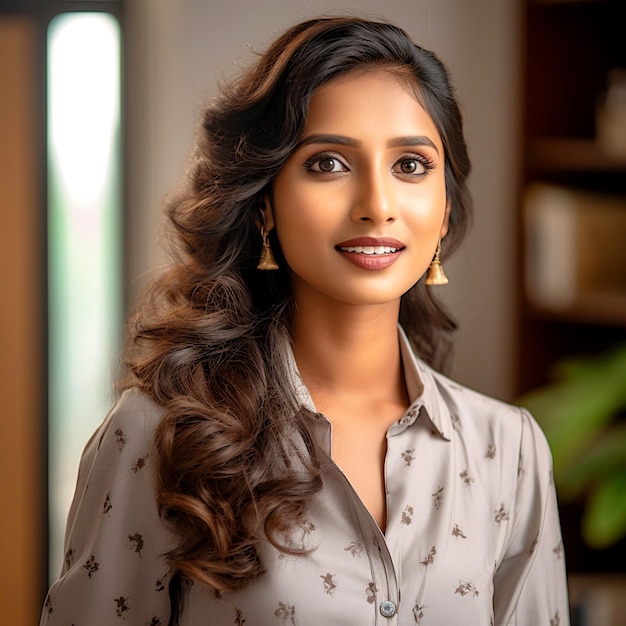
436	275
267	260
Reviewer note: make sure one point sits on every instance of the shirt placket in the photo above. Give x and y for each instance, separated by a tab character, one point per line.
383	573
386	587
388	598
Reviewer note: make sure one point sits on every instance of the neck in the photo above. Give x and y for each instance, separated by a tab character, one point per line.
348	349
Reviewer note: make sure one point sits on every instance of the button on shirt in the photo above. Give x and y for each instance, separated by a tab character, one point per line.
472	534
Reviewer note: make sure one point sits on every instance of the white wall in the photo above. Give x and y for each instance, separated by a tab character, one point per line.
177	50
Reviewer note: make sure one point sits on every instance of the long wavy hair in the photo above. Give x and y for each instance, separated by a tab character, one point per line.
236	462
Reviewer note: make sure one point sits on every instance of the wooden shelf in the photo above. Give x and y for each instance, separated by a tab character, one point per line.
569	49
594	309
573	155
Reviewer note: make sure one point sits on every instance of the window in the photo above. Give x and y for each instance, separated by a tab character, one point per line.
84	242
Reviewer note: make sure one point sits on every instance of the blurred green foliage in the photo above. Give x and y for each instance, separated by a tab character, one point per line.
582	414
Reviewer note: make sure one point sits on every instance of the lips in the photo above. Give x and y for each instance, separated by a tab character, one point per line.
371	253
370	249
370	246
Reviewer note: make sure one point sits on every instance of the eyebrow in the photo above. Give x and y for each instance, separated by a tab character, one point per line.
325	138
417	140
413	140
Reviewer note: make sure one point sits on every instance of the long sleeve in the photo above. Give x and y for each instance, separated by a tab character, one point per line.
114	570
530	584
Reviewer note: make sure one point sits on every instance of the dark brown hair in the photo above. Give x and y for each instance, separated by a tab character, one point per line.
236	462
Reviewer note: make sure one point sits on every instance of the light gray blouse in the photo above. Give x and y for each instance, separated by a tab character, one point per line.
472	533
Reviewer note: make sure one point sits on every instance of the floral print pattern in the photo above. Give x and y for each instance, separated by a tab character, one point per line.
468	486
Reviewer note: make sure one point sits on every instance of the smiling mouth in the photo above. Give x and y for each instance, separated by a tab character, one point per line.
370	250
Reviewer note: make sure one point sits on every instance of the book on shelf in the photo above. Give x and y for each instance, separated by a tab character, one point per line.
575	246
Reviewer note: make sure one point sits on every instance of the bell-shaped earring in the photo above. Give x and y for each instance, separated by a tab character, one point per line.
267	260
436	275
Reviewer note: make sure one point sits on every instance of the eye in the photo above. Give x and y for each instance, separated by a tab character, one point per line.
325	163
413	165
410	166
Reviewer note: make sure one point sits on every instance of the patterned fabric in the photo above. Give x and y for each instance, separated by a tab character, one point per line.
472	533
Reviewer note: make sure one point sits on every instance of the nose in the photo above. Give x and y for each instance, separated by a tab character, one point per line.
374	200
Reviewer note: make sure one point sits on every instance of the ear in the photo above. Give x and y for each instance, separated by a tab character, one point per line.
446	221
268	213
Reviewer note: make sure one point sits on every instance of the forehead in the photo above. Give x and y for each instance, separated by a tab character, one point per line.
369	101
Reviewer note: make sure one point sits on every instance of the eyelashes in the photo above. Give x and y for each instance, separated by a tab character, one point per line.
411	164
326	163
415	165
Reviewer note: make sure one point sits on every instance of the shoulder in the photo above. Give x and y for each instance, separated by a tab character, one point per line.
126	432
461	398
134	414
476	416
116	476
115	538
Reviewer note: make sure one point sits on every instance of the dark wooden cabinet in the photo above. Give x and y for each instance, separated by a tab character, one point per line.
572	51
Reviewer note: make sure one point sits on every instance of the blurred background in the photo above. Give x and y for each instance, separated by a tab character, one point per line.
100	100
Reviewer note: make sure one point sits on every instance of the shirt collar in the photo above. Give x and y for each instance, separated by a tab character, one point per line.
423	387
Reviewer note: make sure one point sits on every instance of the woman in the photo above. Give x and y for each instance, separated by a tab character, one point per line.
283	454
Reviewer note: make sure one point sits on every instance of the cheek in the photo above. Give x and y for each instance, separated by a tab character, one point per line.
426	214
302	214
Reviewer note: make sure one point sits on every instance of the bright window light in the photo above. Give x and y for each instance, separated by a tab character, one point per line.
84	243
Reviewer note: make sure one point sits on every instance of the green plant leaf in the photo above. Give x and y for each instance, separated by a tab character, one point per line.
602	458
577	412
611	364
604	518
574	412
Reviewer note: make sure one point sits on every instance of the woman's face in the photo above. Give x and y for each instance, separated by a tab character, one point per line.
360	204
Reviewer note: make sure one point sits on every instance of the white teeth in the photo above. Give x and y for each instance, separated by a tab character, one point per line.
370	249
